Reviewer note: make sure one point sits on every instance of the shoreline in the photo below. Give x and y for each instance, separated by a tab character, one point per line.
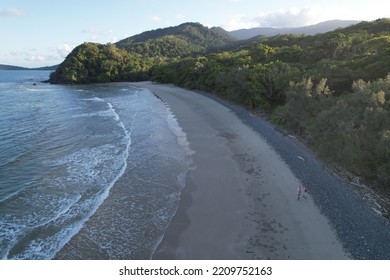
363	230
240	196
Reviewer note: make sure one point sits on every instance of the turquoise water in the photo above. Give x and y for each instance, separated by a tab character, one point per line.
62	151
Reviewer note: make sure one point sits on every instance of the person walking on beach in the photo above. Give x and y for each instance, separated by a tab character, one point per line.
305	191
299	191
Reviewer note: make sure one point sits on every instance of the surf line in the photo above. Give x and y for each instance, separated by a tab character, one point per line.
107	190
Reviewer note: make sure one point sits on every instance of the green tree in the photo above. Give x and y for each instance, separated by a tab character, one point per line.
304	102
358	137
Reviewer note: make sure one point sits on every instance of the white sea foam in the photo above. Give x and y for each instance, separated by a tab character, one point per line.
83	173
116	116
37	89
110	113
66	236
87	186
90	174
104	194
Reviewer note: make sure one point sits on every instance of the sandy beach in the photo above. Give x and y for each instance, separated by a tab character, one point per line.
240	198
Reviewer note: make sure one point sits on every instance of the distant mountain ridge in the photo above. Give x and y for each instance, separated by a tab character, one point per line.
322	27
190	38
136	58
11	67
182	40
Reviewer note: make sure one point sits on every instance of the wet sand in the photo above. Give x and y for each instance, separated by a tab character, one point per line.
240	198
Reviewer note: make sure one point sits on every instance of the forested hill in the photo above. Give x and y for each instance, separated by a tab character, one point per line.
132	59
332	90
342	56
179	41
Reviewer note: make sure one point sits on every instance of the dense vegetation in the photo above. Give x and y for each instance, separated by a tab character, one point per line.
180	41
332	89
91	63
132	59
352	130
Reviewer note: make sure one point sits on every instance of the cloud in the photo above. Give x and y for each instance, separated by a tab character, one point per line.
94	33
19	53
100	35
63	50
37	58
11	12
179	16
293	17
239	21
91	30
155	18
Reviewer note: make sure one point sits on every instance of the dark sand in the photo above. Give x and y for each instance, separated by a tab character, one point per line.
240	198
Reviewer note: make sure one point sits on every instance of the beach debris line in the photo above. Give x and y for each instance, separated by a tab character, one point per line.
301	158
299	190
305	192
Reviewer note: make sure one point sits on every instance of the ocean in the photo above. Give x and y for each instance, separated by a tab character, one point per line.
86	172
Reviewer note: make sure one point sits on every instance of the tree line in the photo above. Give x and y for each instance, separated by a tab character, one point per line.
332	89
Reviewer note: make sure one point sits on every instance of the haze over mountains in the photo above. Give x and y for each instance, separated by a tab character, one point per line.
241	34
11	67
322	27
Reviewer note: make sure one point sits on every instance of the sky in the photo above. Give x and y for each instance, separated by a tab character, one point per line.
36	33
